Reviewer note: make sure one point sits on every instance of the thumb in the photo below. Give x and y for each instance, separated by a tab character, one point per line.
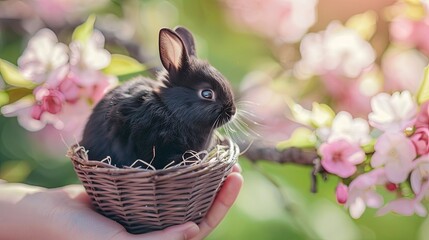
179	232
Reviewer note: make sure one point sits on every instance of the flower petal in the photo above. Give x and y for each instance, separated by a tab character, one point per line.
357	208
397	172
373	199
416	180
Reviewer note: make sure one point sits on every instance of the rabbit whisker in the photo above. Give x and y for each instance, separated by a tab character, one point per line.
247	127
246	103
213	127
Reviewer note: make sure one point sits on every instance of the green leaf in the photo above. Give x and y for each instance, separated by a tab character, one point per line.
123	65
126	77
4	98
423	92
84	31
12	76
15	171
301	138
14	94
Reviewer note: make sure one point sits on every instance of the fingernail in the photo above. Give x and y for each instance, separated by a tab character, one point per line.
238	167
192	231
188	229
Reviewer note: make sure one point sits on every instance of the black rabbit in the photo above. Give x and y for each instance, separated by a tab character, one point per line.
158	121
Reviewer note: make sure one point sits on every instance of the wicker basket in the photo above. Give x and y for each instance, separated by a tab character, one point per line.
145	200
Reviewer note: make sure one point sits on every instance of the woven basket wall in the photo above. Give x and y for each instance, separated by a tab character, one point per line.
145	200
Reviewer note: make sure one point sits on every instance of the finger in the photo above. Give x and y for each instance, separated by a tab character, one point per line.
221	205
236	168
78	193
80	222
15	192
104	228
178	232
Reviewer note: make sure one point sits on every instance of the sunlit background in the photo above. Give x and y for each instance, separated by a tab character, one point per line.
332	51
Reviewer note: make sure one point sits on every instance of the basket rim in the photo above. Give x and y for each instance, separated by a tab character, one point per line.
99	166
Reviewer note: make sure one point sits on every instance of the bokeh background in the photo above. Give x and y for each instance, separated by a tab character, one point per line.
265	48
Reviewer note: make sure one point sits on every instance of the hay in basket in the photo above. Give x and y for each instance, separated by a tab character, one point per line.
145	200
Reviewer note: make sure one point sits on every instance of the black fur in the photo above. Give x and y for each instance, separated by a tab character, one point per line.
157	121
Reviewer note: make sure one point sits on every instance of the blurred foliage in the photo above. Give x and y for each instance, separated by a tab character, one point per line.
262	211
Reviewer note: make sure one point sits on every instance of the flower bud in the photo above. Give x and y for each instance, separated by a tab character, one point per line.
391	186
36	112
341	193
420	140
53	102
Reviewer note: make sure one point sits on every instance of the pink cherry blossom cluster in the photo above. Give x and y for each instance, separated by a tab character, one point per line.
280	20
345	64
392	155
407	54
343	57
51	12
68	81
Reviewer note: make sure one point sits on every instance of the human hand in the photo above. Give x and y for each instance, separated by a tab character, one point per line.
29	212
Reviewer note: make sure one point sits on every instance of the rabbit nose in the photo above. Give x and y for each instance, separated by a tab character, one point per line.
232	110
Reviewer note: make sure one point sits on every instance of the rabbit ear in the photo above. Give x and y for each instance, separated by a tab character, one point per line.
187	38
171	50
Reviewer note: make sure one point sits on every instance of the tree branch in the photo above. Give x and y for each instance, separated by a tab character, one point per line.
258	151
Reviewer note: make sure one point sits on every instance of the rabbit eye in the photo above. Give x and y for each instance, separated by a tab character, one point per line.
207	94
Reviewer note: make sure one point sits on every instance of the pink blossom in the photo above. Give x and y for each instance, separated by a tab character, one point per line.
59	12
56	13
34	117
28	115
57	76
420	139
413	33
260	98
340	157
396	153
43	55
87	59
341	193
73	118
394	112
353	94
36	111
70	90
51	100
422	120
281	20
355	100
403	206
71	122
408	207
338	50
62	87
354	130
104	84
53	11
420	184
403	69
362	192
420	174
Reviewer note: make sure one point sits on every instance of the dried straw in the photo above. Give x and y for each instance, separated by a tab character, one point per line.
145	200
